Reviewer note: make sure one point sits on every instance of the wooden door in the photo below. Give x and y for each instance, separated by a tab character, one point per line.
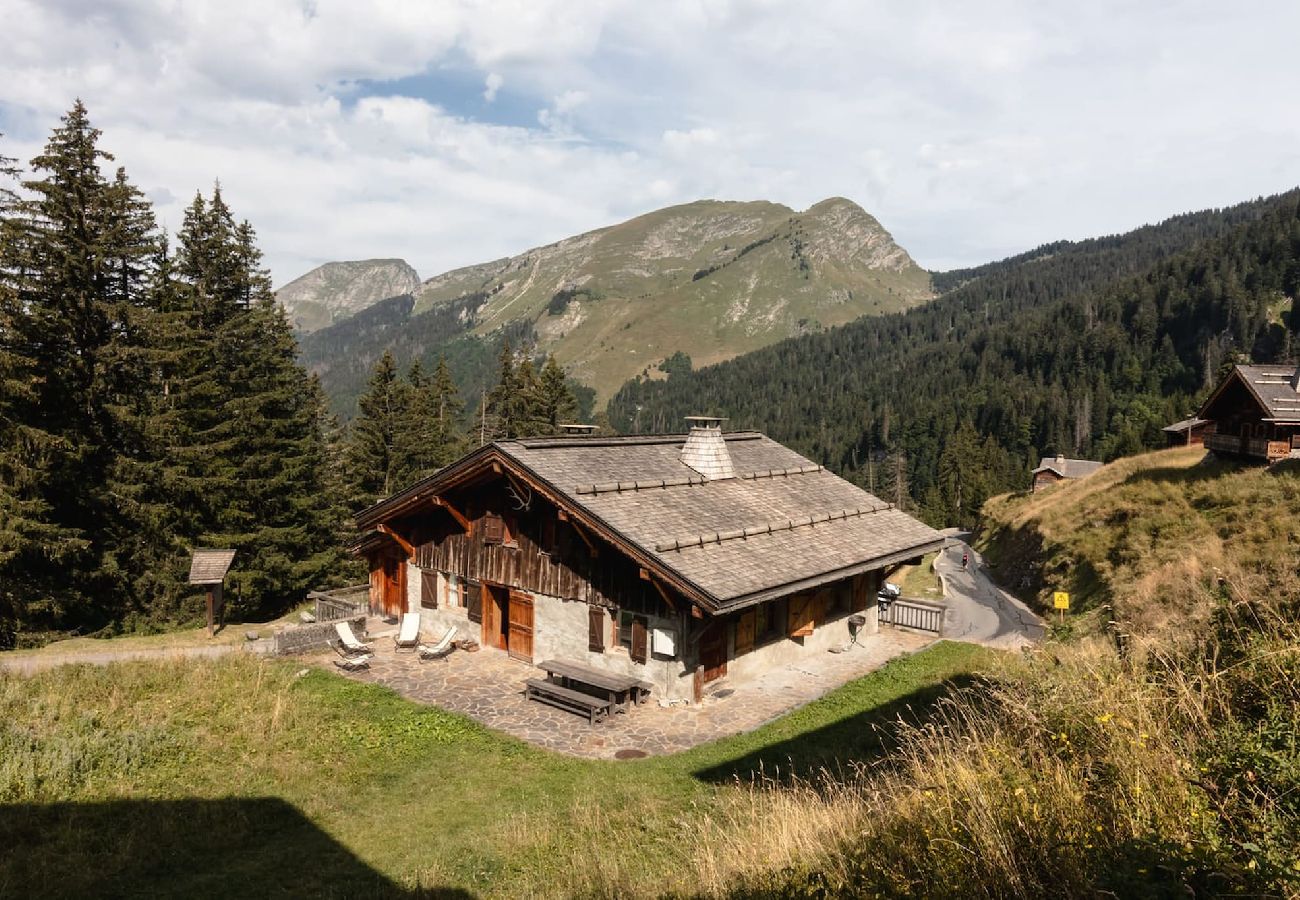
519	640
394	586
713	653
494	617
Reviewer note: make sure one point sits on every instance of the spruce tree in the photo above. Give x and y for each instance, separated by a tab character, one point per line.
374	464
501	412
557	403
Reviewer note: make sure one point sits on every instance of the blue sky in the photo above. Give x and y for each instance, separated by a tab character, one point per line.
449	133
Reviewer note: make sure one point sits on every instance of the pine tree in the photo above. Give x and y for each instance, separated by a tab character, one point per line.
80	248
556	398
428	435
374	464
500	411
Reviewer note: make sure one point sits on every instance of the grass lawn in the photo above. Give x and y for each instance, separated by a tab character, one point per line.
920	581
240	776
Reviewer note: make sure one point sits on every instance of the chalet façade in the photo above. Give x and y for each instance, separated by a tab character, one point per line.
1255	411
679	559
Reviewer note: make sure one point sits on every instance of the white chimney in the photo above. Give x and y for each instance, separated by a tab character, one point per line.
705	449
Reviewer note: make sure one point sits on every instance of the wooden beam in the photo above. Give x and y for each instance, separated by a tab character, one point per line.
401	541
455	513
591	547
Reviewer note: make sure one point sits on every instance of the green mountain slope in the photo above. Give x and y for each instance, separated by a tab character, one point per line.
338	290
711	279
1086	349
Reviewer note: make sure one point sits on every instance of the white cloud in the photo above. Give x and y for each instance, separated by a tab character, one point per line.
971	131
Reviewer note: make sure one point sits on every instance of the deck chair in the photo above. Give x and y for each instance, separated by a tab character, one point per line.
348	640
409	634
355	663
440	649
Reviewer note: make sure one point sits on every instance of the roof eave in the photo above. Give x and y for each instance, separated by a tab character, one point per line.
754	598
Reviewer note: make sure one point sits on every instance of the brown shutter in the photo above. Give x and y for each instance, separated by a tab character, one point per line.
494	529
860	589
801	615
745	632
639	640
428	589
595	629
474	601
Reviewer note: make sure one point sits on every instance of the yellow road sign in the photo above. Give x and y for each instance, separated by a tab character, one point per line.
1061	600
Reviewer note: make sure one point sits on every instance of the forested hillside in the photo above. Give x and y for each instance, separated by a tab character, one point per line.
1085	349
151	404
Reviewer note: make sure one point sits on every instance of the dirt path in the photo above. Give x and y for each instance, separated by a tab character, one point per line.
39	662
978	610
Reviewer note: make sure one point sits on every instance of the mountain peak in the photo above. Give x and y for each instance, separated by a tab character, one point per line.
337	290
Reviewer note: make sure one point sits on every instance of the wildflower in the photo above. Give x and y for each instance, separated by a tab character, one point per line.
1104	718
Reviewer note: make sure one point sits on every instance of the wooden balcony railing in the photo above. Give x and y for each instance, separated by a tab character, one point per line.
1255	448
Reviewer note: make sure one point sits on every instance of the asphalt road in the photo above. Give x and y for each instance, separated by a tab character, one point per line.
978	610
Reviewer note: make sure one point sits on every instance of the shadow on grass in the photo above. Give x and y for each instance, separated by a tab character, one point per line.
864	738
181	848
1207	470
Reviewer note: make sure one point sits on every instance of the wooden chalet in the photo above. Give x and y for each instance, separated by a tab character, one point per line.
1188	433
675	558
1057	468
1256	414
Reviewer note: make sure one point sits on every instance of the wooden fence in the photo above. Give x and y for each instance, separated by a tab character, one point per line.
913	614
341	603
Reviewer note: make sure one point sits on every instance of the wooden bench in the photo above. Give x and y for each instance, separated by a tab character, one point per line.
641	692
594	708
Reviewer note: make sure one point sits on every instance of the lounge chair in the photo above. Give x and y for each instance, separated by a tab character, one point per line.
440	649
348	640
409	634
354	663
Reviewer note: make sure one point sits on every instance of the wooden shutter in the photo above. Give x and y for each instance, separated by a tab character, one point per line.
801	615
428	589
494	529
474	601
745	632
640	640
595	629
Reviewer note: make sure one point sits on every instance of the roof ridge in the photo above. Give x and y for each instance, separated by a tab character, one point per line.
611	487
749	531
616	440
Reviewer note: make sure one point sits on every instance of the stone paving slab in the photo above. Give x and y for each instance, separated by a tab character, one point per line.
488	686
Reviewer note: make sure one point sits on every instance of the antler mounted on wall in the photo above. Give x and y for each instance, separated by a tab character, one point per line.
522	503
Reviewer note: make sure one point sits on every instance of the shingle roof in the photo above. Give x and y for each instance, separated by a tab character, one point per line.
210	566
782	524
1068	468
1274	387
1185	425
782	520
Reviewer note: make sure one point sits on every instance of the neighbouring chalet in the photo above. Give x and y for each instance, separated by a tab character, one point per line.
1256	414
678	559
1188	433
1057	468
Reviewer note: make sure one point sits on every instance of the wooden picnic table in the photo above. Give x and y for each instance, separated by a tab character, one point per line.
619	688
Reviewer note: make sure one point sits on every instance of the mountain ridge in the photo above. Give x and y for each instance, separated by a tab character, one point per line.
335	291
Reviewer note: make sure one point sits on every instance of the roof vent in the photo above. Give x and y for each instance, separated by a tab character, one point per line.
705	449
575	428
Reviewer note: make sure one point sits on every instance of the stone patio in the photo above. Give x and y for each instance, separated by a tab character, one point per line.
488	686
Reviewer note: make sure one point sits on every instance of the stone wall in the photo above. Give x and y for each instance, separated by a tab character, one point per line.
316	636
832	632
560	631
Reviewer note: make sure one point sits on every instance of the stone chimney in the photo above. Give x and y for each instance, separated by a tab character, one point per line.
705	449
1060	460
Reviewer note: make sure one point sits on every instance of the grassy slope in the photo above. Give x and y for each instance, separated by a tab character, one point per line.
645	303
1152	536
235	772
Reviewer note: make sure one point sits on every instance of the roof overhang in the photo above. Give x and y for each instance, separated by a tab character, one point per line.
1223	385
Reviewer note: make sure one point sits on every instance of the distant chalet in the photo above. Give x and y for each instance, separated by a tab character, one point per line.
1256	414
1057	468
1188	433
676	558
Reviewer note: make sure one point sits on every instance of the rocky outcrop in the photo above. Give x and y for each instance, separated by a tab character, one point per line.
339	290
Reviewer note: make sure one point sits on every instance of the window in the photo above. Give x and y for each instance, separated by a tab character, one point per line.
494	529
455	591
768	618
